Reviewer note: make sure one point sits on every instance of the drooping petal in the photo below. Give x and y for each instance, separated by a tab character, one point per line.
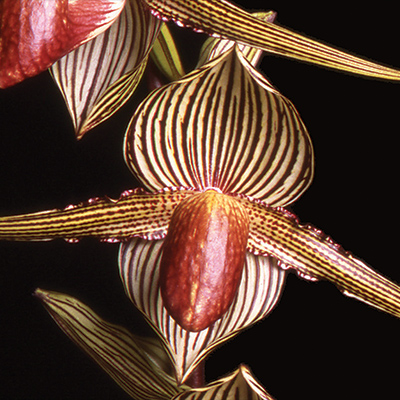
221	18
238	385
259	290
315	256
35	34
135	213
222	126
116	350
100	76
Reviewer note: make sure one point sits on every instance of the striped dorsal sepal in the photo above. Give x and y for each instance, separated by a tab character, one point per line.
260	287
315	256
222	126
135	213
240	384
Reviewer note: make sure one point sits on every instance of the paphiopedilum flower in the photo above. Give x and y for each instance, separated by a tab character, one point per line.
223	134
175	149
273	160
98	77
140	366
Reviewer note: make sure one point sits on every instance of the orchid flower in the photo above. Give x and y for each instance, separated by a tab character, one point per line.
256	158
280	172
205	175
138	365
109	63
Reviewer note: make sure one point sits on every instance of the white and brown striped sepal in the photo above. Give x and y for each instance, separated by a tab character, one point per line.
138	365
260	287
222	126
99	77
135	364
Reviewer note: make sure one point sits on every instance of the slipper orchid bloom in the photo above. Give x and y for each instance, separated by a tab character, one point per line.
221	145
101	47
281	171
140	366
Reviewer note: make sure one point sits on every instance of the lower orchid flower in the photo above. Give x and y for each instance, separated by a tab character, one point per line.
140	366
220	152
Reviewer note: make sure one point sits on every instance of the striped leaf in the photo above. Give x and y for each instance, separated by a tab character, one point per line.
221	126
34	34
117	351
259	290
135	213
238	385
165	55
221	18
99	77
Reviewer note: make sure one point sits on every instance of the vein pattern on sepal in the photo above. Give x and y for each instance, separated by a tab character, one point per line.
100	76
241	384
259	290
222	126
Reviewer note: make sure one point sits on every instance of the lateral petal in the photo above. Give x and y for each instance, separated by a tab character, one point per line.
314	255
135	213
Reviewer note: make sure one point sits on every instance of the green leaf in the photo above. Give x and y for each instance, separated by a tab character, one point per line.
261	284
99	77
238	385
34	34
221	18
222	126
117	351
165	55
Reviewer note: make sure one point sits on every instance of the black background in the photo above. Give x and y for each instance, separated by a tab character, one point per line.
317	344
